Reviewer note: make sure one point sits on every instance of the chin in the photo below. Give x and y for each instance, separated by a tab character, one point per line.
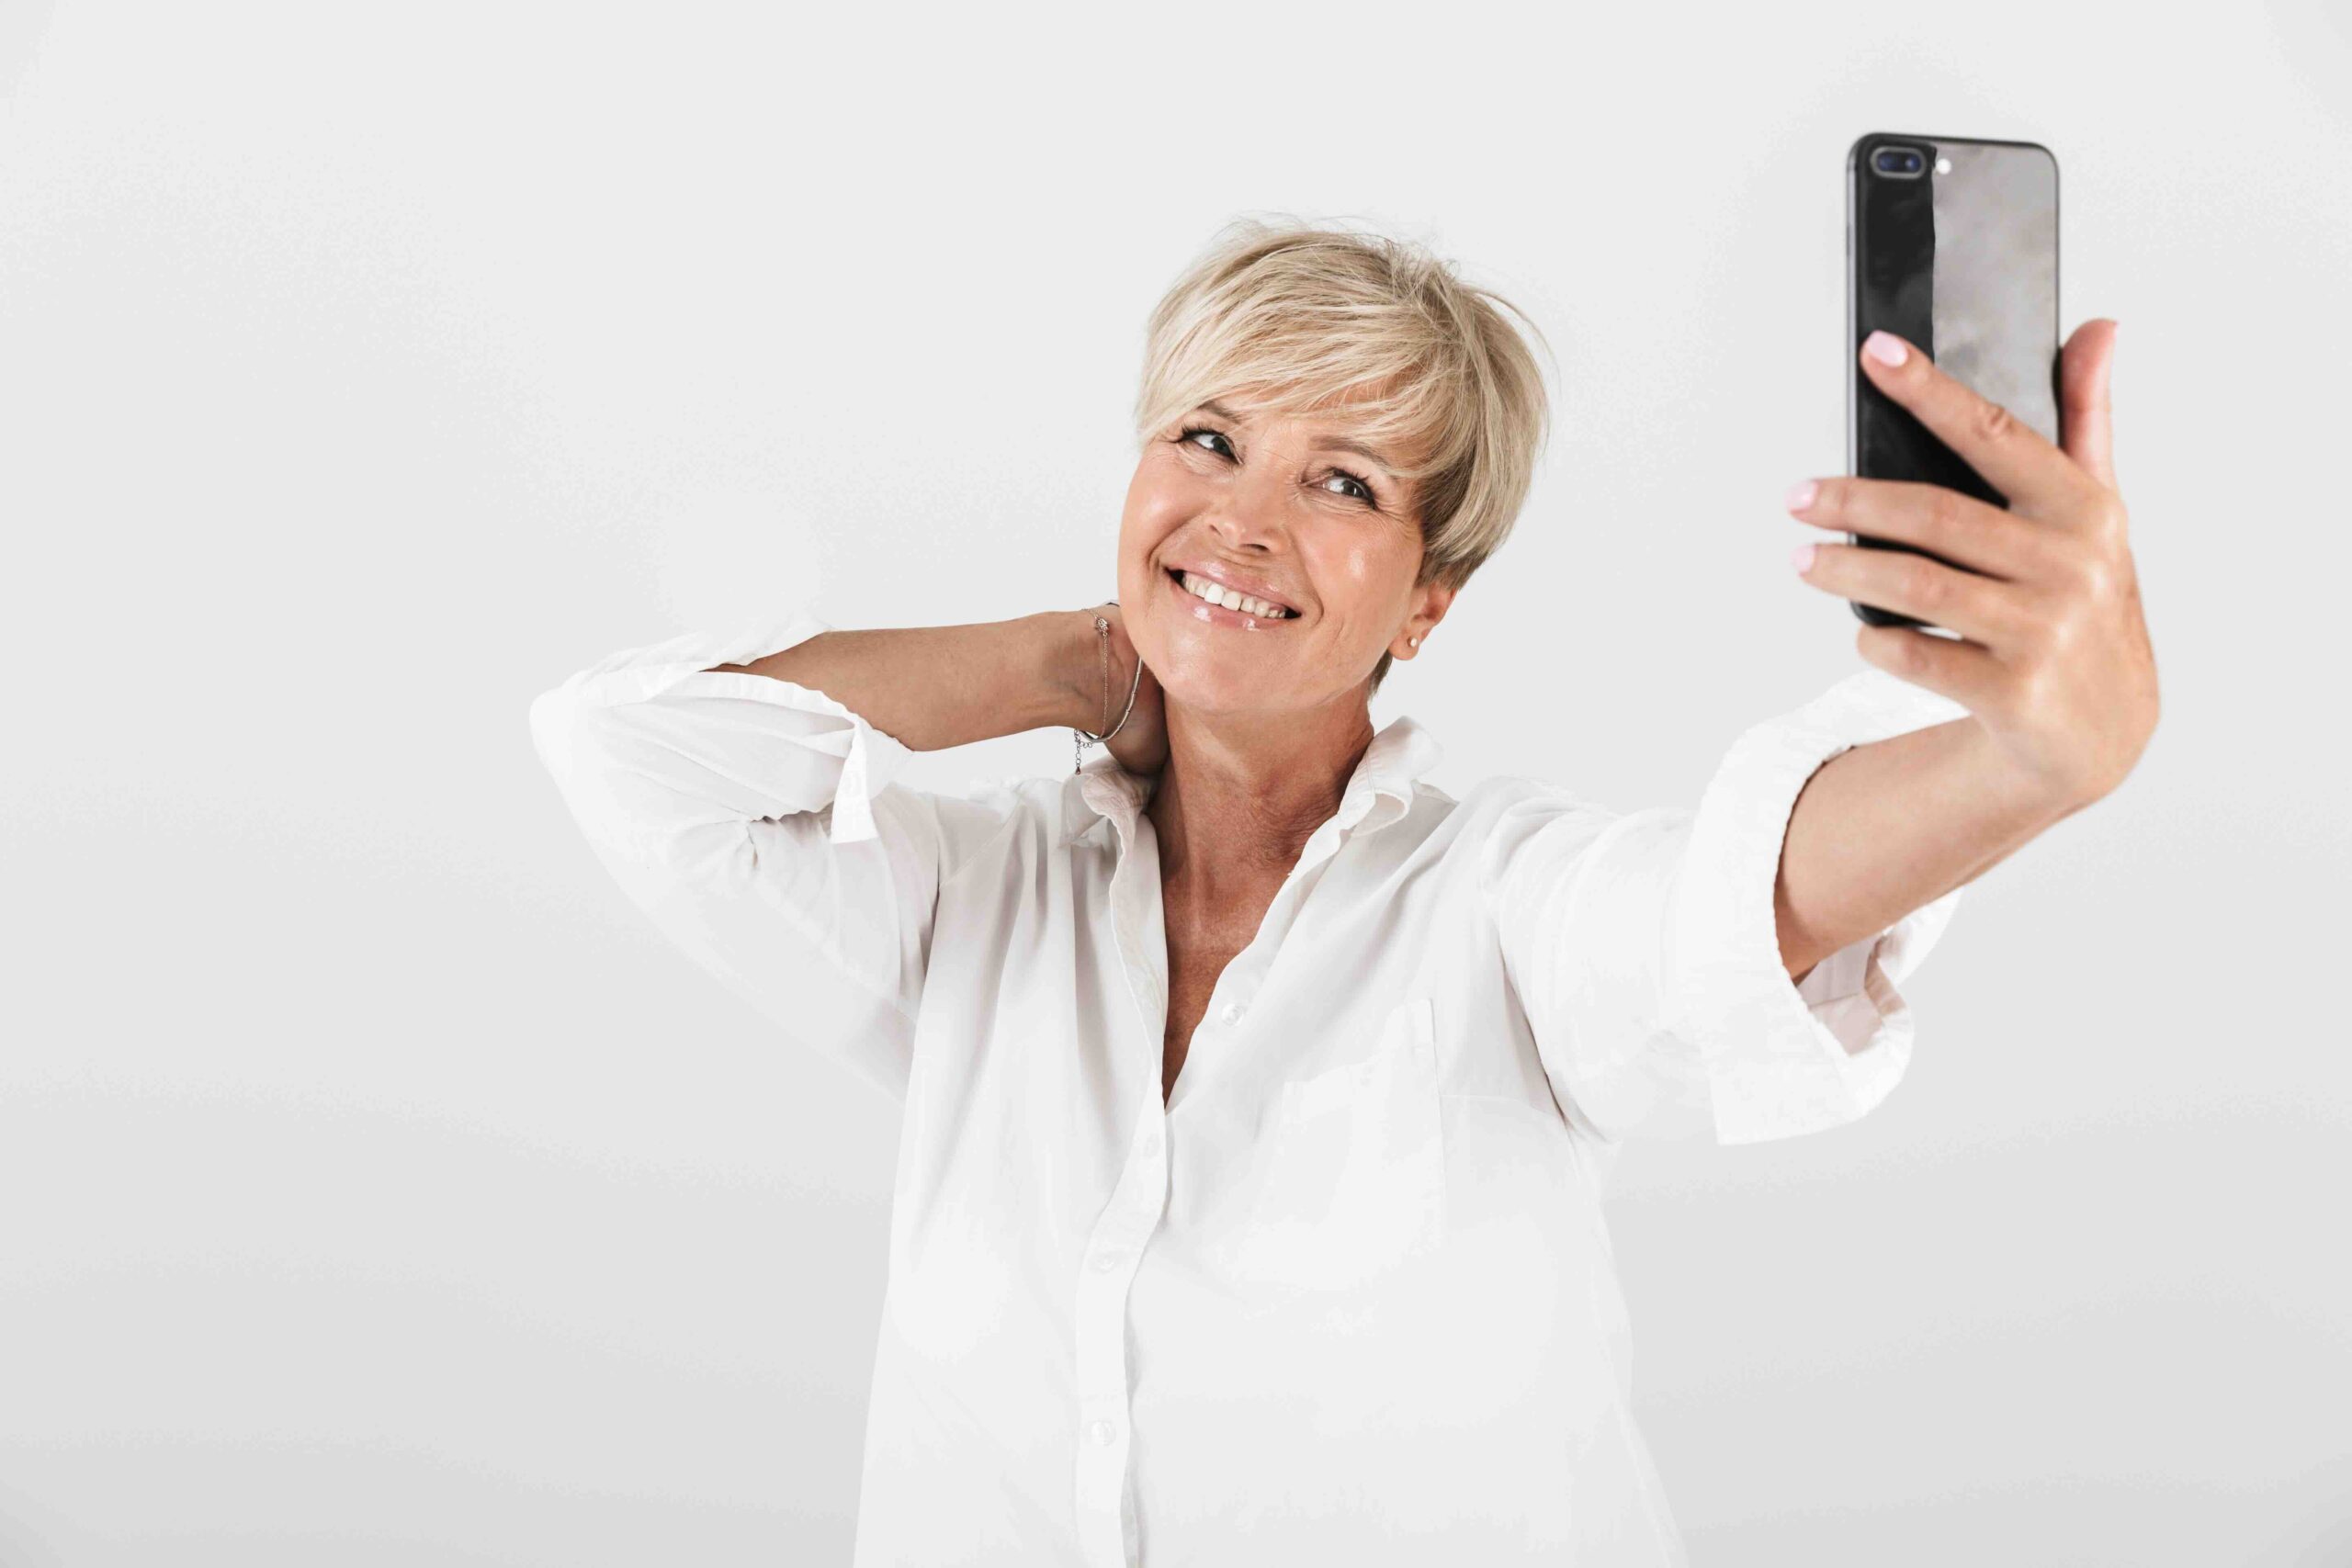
1201	693
1199	686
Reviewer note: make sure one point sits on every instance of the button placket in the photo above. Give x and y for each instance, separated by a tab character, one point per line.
1098	1478
1100	1493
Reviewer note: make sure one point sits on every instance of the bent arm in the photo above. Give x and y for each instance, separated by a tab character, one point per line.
933	687
738	787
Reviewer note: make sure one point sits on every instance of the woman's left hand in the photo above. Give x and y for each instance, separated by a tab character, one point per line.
2052	656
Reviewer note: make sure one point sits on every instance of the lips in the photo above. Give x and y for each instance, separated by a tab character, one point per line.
1226	579
1197	608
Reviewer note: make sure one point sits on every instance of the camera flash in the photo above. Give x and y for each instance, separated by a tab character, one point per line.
1943	165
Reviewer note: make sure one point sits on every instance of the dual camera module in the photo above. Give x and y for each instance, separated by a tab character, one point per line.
1904	163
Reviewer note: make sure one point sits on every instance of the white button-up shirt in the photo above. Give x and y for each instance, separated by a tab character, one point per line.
1347	1294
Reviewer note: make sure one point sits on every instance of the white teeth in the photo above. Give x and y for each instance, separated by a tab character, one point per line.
1202	588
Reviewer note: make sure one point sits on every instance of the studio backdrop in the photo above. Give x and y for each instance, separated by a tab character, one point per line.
377	1186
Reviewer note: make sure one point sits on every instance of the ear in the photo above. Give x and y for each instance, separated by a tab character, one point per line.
1430	603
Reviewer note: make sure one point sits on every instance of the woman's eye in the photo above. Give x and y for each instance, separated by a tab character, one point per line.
1363	491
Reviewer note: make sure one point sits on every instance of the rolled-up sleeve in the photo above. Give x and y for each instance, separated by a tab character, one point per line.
1645	952
756	821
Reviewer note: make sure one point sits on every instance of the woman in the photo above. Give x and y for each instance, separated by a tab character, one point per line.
1257	1093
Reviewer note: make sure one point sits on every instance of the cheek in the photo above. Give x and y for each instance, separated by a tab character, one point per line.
1157	506
1355	579
1143	525
1360	572
1157	501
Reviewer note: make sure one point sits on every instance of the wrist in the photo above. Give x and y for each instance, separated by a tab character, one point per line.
1069	665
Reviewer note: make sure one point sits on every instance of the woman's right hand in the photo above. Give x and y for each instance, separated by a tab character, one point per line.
1141	744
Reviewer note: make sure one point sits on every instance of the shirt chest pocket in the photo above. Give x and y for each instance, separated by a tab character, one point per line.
1354	1183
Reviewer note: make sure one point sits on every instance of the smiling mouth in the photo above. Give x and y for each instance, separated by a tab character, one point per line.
1218	614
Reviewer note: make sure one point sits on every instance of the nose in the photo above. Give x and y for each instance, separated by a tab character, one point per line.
1247	515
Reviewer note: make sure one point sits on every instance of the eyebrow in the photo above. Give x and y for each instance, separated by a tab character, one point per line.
1334	442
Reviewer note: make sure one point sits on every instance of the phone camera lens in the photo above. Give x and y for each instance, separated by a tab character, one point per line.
1898	161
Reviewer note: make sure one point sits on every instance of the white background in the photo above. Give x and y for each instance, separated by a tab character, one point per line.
376	1188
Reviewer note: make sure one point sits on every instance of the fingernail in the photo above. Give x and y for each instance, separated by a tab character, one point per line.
1800	494
1802	558
1885	348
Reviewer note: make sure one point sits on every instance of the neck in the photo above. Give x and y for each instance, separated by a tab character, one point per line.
1240	794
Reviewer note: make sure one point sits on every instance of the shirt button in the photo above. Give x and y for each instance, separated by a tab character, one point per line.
1151	1141
1105	1263
1232	1013
1102	1432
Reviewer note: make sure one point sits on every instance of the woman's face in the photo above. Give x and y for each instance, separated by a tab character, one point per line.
1282	508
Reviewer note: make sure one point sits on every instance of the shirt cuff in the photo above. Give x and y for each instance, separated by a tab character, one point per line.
1782	1060
868	758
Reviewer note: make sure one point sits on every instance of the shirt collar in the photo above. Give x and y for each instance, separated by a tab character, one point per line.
1378	792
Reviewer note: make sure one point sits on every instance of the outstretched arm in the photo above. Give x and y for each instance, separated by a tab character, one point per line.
2052	658
1883	829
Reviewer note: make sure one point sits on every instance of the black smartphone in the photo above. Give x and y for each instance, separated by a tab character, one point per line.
1951	245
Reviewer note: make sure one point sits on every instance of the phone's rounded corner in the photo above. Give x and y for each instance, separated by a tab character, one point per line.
1862	143
2048	157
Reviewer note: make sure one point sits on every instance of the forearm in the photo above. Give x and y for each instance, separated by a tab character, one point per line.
933	687
1882	828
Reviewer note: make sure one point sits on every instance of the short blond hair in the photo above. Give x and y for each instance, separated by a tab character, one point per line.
1290	317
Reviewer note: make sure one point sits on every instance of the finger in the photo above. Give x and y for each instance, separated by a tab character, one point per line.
1984	610
1972	676
2033	475
1935	518
2085	415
